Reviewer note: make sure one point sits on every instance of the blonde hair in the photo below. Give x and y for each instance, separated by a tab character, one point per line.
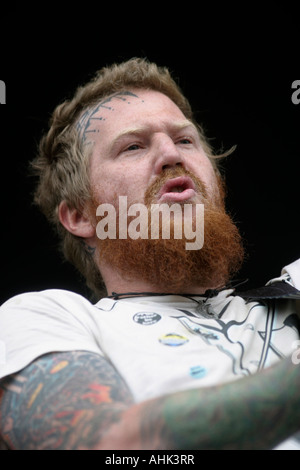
62	160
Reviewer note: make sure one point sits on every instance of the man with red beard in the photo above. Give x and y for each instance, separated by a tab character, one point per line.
170	356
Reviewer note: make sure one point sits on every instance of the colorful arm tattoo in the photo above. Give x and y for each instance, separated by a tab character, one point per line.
61	401
256	412
78	401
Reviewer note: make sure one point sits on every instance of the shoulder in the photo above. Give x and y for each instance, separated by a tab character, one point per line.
45	308
55	295
36	323
47	302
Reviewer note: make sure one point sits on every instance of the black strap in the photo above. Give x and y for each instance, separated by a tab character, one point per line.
276	290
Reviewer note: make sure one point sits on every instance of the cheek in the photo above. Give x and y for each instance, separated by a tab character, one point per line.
204	170
110	183
207	174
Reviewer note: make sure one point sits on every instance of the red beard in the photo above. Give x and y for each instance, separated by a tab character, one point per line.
165	264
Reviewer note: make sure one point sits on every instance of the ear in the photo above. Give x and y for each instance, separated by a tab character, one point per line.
75	221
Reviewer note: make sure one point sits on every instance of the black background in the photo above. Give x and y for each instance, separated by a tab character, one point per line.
237	72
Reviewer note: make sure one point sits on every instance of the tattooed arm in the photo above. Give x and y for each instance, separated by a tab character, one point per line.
61	401
77	400
257	412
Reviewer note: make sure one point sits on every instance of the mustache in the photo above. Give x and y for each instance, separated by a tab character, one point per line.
169	173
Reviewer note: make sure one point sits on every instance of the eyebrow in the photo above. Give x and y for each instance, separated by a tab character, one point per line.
175	127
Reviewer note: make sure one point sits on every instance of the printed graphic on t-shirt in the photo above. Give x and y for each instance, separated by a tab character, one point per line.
267	336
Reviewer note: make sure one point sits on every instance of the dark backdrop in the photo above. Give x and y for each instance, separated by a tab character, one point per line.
240	89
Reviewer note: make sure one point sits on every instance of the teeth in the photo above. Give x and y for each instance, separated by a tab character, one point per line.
177	189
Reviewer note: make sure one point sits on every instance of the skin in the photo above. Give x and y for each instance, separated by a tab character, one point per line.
95	409
77	400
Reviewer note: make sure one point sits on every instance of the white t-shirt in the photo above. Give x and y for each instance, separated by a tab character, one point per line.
159	345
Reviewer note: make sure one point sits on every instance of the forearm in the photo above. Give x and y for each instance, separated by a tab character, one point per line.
77	400
253	413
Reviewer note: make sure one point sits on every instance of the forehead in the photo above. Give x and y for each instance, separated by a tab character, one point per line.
124	109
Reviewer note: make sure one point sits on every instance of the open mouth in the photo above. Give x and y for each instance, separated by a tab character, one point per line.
177	189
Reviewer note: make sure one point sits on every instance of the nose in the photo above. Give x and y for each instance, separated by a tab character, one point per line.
166	154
